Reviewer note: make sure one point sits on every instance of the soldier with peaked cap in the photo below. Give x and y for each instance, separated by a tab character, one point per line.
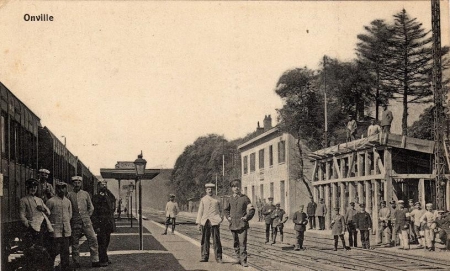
279	219
45	189
401	218
311	212
364	225
351	227
384	225
427	220
82	210
268	219
300	220
415	215
321	211
61	213
209	217
171	213
338	229
395	241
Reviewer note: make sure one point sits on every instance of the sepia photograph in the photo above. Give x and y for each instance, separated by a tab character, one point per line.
224	135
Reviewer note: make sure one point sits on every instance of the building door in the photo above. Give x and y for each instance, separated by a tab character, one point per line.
282	195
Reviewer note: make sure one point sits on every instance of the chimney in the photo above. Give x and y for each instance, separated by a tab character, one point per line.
259	129
267	123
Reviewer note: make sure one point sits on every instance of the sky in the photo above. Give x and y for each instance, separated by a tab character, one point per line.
113	78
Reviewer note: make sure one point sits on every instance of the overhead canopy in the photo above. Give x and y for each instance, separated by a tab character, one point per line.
127	174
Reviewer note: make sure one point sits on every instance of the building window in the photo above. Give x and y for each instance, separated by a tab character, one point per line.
252	162
261	191
261	158
271	190
270	155
245	164
282	151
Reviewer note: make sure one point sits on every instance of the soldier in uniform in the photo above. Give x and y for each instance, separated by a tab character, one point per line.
401	218
351	227
395	241
268	219
428	219
278	222
171	213
300	221
45	190
384	227
363	223
238	212
415	216
209	217
321	211
311	212
338	229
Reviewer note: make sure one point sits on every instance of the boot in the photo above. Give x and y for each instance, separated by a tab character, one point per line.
274	238
281	238
432	248
271	236
297	247
335	245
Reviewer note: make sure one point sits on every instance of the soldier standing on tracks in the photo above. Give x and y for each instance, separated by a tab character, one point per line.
45	190
238	212
401	217
338	229
428	219
364	225
268	219
171	213
103	220
300	220
321	211
278	222
351	227
415	215
411	232
61	213
395	241
311	212
384	227
81	224
209	217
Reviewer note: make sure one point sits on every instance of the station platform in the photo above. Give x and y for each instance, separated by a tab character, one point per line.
160	252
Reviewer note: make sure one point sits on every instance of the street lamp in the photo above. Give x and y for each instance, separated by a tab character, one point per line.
139	165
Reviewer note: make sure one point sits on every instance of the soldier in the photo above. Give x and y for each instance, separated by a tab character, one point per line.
401	218
45	190
428	219
171	213
209	217
338	229
81	224
103	221
351	227
321	211
386	119
411	232
311	212
395	241
444	224
300	221
415	216
238	212
61	213
268	219
278	222
363	223
384	227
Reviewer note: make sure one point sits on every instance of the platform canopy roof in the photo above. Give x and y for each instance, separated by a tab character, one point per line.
378	140
127	174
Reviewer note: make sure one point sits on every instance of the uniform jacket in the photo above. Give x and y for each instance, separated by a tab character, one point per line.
363	221
267	212
82	207
444	223
300	220
239	206
103	216
45	191
349	216
311	209
171	209
278	217
416	214
400	218
429	217
30	215
321	209
209	209
61	213
386	118
337	225
384	215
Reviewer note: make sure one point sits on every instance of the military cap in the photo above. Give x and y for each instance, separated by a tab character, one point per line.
63	184
302	206
417	204
278	204
172	195
392	202
362	205
43	170
101	182
336	208
210	185
383	202
410	200
77	178
31	182
270	198
352	203
321	199
400	202
429	205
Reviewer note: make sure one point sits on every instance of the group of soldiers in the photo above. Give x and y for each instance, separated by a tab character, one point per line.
55	219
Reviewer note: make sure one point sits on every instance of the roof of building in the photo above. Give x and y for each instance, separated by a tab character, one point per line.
392	140
259	137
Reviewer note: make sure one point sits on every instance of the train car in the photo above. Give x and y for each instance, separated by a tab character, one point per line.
89	179
19	161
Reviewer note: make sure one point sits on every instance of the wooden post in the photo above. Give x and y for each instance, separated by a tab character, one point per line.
328	170
320	172
352	192
316	193
334	198
388	190
328	205
343	203
422	193
376	204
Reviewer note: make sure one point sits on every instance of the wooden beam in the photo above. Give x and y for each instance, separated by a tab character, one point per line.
336	167
413	176
351	161
350	180
388	173
314	172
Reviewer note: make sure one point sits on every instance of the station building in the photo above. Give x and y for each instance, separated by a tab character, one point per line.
270	168
370	170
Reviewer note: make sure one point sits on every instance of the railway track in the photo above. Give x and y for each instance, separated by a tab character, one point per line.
319	254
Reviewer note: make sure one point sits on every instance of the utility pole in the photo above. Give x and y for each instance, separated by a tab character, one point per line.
439	99
325	137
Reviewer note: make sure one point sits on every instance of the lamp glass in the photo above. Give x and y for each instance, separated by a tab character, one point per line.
140	164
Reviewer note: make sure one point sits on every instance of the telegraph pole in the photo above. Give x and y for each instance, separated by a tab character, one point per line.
325	137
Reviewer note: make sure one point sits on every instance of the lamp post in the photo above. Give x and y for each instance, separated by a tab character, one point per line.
130	191
140	164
